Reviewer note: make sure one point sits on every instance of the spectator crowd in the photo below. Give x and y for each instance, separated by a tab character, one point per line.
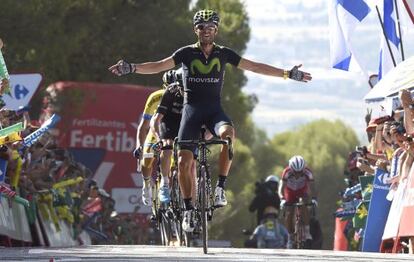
384	165
52	186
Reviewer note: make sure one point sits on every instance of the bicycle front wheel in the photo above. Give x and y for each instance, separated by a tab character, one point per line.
204	206
299	234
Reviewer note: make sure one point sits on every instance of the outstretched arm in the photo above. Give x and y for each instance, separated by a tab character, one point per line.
123	67
269	70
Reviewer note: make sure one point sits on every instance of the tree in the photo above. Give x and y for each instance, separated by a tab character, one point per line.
78	39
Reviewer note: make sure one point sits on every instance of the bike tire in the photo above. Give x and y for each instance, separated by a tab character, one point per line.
162	232
166	226
299	233
204	207
155	201
186	236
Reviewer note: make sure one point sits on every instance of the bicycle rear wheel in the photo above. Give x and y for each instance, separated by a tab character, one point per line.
204	207
175	208
166	229
163	230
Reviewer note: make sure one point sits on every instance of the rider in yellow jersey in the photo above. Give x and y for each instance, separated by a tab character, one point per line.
145	141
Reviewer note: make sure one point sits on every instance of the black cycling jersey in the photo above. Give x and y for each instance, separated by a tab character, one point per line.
203	77
171	104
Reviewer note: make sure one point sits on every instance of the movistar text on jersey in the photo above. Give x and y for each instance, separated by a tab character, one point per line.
203	80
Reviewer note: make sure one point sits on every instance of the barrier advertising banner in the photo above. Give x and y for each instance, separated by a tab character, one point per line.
406	223
394	215
377	213
99	124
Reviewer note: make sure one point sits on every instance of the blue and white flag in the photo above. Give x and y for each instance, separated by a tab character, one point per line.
344	16
33	137
390	27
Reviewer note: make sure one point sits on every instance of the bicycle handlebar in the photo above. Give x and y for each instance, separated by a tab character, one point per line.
215	141
206	142
299	204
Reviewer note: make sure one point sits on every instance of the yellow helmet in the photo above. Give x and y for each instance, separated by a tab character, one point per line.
204	16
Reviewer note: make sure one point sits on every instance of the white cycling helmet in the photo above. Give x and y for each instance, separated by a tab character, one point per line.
272	178
297	163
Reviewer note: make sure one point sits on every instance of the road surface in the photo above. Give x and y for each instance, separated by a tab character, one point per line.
160	253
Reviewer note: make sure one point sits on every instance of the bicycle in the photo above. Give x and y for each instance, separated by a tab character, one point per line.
204	204
166	222
299	236
176	205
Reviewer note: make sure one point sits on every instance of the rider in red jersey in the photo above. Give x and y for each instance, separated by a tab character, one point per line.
297	182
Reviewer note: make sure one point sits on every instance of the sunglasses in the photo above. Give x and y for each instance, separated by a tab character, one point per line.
202	27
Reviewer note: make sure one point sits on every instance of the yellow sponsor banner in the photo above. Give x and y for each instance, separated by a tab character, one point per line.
68	182
10	138
14	181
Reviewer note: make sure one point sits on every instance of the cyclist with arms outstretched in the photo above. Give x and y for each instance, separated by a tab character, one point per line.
297	182
203	74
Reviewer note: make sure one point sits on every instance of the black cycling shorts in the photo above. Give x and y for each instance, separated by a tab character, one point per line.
169	127
194	117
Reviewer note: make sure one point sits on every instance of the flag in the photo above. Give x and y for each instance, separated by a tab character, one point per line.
33	137
390	27
10	138
409	6
344	16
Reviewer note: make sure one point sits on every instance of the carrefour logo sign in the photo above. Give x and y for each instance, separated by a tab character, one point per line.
23	87
20	91
383	180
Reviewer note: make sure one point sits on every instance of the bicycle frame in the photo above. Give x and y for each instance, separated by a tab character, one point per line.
204	199
299	234
299	237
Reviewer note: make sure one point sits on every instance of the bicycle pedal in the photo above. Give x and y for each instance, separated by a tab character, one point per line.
169	214
153	218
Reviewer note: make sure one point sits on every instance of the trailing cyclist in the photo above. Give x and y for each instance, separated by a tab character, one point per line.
146	140
203	73
297	182
165	124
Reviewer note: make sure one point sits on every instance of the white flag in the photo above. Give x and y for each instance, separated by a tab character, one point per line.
409	6
344	16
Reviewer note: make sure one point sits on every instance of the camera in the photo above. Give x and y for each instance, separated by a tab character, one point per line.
399	127
361	150
363	161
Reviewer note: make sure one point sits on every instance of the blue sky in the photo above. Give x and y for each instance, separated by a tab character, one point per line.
289	32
